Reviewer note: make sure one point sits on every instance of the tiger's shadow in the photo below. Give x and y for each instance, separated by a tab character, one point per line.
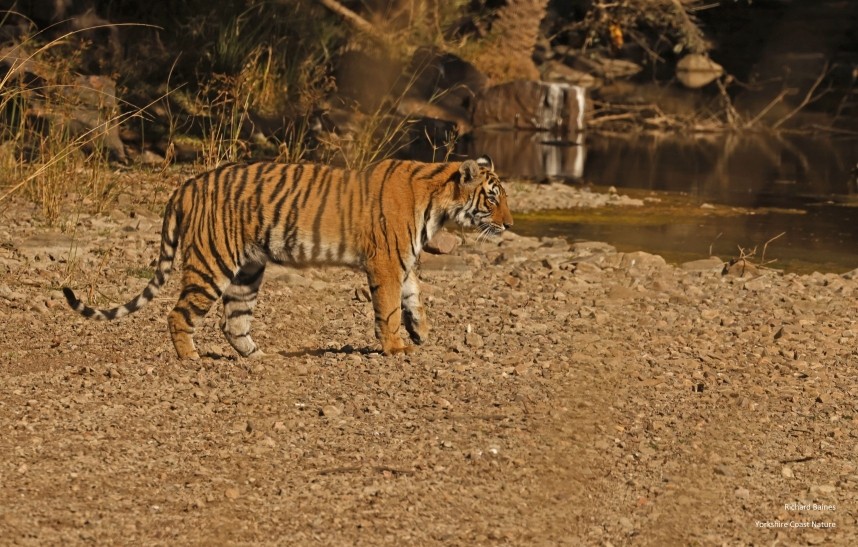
318	352
304	352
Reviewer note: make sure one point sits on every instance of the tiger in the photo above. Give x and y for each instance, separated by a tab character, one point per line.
230	222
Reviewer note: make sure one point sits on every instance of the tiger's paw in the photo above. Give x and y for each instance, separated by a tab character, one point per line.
400	350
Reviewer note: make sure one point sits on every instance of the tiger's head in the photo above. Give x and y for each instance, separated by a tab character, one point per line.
483	200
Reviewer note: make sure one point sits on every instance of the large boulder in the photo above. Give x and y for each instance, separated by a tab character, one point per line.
445	82
433	84
94	114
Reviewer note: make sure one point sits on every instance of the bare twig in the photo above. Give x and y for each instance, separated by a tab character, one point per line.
808	97
768	107
766	244
611	118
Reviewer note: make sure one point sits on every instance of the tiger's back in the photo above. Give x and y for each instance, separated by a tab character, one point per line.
229	223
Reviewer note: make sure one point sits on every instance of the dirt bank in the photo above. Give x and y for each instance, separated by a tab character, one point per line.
569	395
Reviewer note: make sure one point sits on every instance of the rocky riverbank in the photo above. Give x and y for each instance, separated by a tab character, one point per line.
528	197
569	395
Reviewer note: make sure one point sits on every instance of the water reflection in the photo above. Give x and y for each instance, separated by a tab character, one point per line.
529	154
823	237
812	175
746	169
749	169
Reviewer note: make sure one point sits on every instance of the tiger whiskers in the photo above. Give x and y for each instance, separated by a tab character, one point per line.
486	233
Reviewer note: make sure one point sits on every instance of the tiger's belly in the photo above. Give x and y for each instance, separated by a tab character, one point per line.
313	249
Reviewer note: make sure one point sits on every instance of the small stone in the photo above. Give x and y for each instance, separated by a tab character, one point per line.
787	473
712	263
40	307
512	282
740	267
232	493
641	261
723	470
362	294
622	293
319	285
742	493
602	444
815	538
442	243
825	489
330	411
474	340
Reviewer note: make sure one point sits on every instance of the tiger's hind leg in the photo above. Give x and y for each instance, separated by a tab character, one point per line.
239	300
200	289
413	314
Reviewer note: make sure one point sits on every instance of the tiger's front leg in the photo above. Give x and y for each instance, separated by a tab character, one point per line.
413	314
386	290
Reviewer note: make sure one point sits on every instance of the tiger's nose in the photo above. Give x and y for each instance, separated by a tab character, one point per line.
506	225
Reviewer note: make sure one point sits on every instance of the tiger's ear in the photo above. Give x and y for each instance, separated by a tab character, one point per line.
469	171
486	162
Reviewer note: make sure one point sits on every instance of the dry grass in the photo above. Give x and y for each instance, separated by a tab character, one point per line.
269	60
45	154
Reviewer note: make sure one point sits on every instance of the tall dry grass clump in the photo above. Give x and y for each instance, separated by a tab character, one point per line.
52	145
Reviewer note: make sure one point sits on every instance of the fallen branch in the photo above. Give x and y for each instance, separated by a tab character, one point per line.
766	244
768	107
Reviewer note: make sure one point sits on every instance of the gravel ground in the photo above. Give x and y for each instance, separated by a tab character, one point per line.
569	395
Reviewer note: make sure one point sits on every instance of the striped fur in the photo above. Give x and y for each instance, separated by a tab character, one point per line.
228	223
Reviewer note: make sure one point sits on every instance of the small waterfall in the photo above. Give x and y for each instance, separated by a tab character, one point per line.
551	115
554	107
580	97
554	116
544	124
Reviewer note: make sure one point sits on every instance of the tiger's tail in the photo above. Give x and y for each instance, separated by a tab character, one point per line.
169	245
